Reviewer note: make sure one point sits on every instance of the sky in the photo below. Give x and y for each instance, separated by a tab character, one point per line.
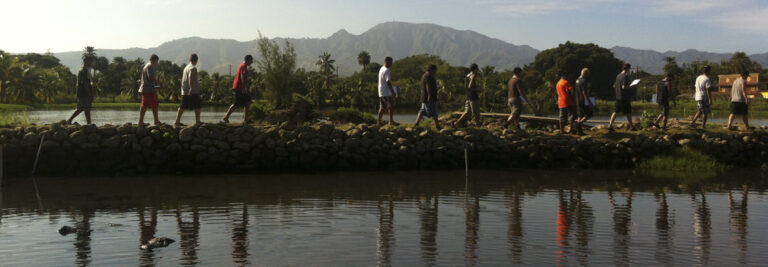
662	25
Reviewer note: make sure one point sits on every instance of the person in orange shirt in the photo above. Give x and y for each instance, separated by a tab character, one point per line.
565	102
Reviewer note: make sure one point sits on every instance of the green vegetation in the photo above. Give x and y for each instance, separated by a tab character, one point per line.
9	119
685	165
351	115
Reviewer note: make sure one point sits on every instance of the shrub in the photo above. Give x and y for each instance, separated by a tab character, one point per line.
351	115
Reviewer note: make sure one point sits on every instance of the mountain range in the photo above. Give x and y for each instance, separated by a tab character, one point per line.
395	39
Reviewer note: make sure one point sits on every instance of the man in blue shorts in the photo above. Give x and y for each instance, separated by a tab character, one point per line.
429	96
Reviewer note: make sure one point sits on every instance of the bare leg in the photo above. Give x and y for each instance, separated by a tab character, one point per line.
463	117
178	117
154	114
229	113
695	117
74	115
704	121
88	116
437	124
142	110
418	118
613	118
730	121
391	116
746	123
381	113
629	121
245	115
562	131
665	122
197	116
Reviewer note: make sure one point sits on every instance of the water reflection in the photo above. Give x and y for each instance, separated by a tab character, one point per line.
240	236
738	221
664	228
147	230
575	220
515	232
385	234
702	229
189	233
83	238
428	218
472	222
622	219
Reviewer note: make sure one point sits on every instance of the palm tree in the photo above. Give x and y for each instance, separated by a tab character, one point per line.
364	59
325	63
89	52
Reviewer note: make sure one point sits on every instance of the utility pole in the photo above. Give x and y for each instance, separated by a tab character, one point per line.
230	69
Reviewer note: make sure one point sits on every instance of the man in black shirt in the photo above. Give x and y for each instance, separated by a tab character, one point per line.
429	96
624	96
663	89
84	92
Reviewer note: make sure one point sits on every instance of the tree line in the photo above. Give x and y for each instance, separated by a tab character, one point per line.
276	82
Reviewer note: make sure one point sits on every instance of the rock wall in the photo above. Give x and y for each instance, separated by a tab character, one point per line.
214	148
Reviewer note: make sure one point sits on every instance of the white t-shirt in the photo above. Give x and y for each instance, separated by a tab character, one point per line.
383	79
737	91
703	83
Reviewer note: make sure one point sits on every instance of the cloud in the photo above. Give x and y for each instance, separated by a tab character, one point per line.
542	7
750	21
691	7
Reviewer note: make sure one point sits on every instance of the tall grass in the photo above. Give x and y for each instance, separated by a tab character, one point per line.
13	119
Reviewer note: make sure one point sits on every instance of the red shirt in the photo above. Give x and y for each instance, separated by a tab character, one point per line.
564	98
241	78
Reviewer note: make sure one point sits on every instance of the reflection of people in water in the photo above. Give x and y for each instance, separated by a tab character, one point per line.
563	223
738	222
472	221
622	219
702	228
385	233
240	239
428	217
189	233
663	230
83	239
574	213
147	230
515	233
584	220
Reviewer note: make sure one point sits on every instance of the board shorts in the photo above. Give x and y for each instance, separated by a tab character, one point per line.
664	109
568	114
623	106
386	102
241	99
739	108
149	100
190	102
84	103
703	106
515	105
429	109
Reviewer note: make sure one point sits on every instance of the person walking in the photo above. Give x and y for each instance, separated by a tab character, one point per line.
663	89
472	105
386	92
624	93
85	92
515	98
584	104
565	103
190	91
703	97
429	100
240	88
739	101
148	90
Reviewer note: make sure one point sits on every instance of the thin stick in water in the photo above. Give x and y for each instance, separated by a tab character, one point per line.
34	168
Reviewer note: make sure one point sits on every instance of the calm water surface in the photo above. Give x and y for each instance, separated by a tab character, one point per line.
402	219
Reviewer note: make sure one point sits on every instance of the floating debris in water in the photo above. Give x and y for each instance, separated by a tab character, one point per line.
157	242
65	230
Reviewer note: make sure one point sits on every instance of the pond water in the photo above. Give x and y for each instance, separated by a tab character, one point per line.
403	219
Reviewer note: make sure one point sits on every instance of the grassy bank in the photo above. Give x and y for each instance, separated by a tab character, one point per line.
685	108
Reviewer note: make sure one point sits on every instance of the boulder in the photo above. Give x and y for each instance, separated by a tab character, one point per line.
112	142
146	141
78	137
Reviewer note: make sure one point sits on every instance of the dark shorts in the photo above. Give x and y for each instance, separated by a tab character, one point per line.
190	102
703	106
586	111
386	102
149	100
242	99
515	106
84	103
568	114
739	108
664	109
623	106
429	109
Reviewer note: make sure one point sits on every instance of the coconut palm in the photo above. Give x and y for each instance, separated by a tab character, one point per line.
364	58
325	63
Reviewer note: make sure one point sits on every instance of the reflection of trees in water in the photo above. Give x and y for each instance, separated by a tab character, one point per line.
738	222
147	230
702	228
515	233
663	230
189	233
472	221
240	238
428	218
83	238
622	218
574	218
385	233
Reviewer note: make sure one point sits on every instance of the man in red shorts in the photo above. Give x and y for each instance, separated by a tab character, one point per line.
240	87
148	89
